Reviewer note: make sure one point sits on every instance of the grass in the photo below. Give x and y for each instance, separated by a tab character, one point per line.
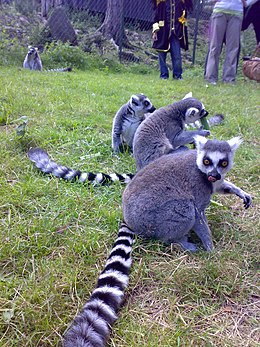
55	236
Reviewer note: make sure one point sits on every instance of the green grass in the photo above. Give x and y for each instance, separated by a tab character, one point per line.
55	235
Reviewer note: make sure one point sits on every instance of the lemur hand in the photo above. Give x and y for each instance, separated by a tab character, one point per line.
247	200
204	133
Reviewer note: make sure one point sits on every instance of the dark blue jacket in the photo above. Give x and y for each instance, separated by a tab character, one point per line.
175	22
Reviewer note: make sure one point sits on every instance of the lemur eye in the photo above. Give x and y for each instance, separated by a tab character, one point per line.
146	103
224	163
206	162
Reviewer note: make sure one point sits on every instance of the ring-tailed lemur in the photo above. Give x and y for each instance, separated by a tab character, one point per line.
164	132
42	161
32	61
165	200
131	115
168	197
127	120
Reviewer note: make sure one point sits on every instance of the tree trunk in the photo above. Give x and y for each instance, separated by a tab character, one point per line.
46	5
113	25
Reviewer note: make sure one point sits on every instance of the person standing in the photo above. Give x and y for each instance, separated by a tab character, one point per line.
252	16
170	34
225	26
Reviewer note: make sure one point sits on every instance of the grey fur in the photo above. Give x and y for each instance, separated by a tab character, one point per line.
164	131
32	59
168	197
91	327
127	120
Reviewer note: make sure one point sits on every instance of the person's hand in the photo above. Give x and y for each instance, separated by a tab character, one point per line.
154	36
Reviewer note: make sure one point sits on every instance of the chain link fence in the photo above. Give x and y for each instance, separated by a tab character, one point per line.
79	21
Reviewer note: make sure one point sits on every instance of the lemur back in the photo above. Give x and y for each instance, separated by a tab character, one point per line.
164	132
127	120
165	200
33	61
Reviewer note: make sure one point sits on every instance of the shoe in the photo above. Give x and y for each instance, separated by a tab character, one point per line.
212	82
164	78
232	83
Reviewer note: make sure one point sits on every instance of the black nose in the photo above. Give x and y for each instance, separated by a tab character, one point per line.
215	175
204	113
152	109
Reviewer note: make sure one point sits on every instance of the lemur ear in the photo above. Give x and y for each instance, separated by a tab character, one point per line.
200	141
235	142
189	95
134	99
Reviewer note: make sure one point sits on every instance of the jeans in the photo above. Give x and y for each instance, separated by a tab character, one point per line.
175	51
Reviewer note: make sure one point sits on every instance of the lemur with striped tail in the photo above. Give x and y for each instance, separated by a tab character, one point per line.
168	197
164	201
164	132
32	61
127	120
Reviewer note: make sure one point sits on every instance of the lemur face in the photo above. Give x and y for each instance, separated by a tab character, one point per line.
215	165
215	158
195	113
142	104
32	51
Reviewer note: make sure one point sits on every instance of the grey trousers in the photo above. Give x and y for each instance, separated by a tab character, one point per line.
228	27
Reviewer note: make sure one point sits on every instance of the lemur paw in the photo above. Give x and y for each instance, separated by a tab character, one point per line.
205	133
247	200
208	246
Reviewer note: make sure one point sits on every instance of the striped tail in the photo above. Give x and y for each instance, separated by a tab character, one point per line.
216	120
212	122
42	161
91	327
62	69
